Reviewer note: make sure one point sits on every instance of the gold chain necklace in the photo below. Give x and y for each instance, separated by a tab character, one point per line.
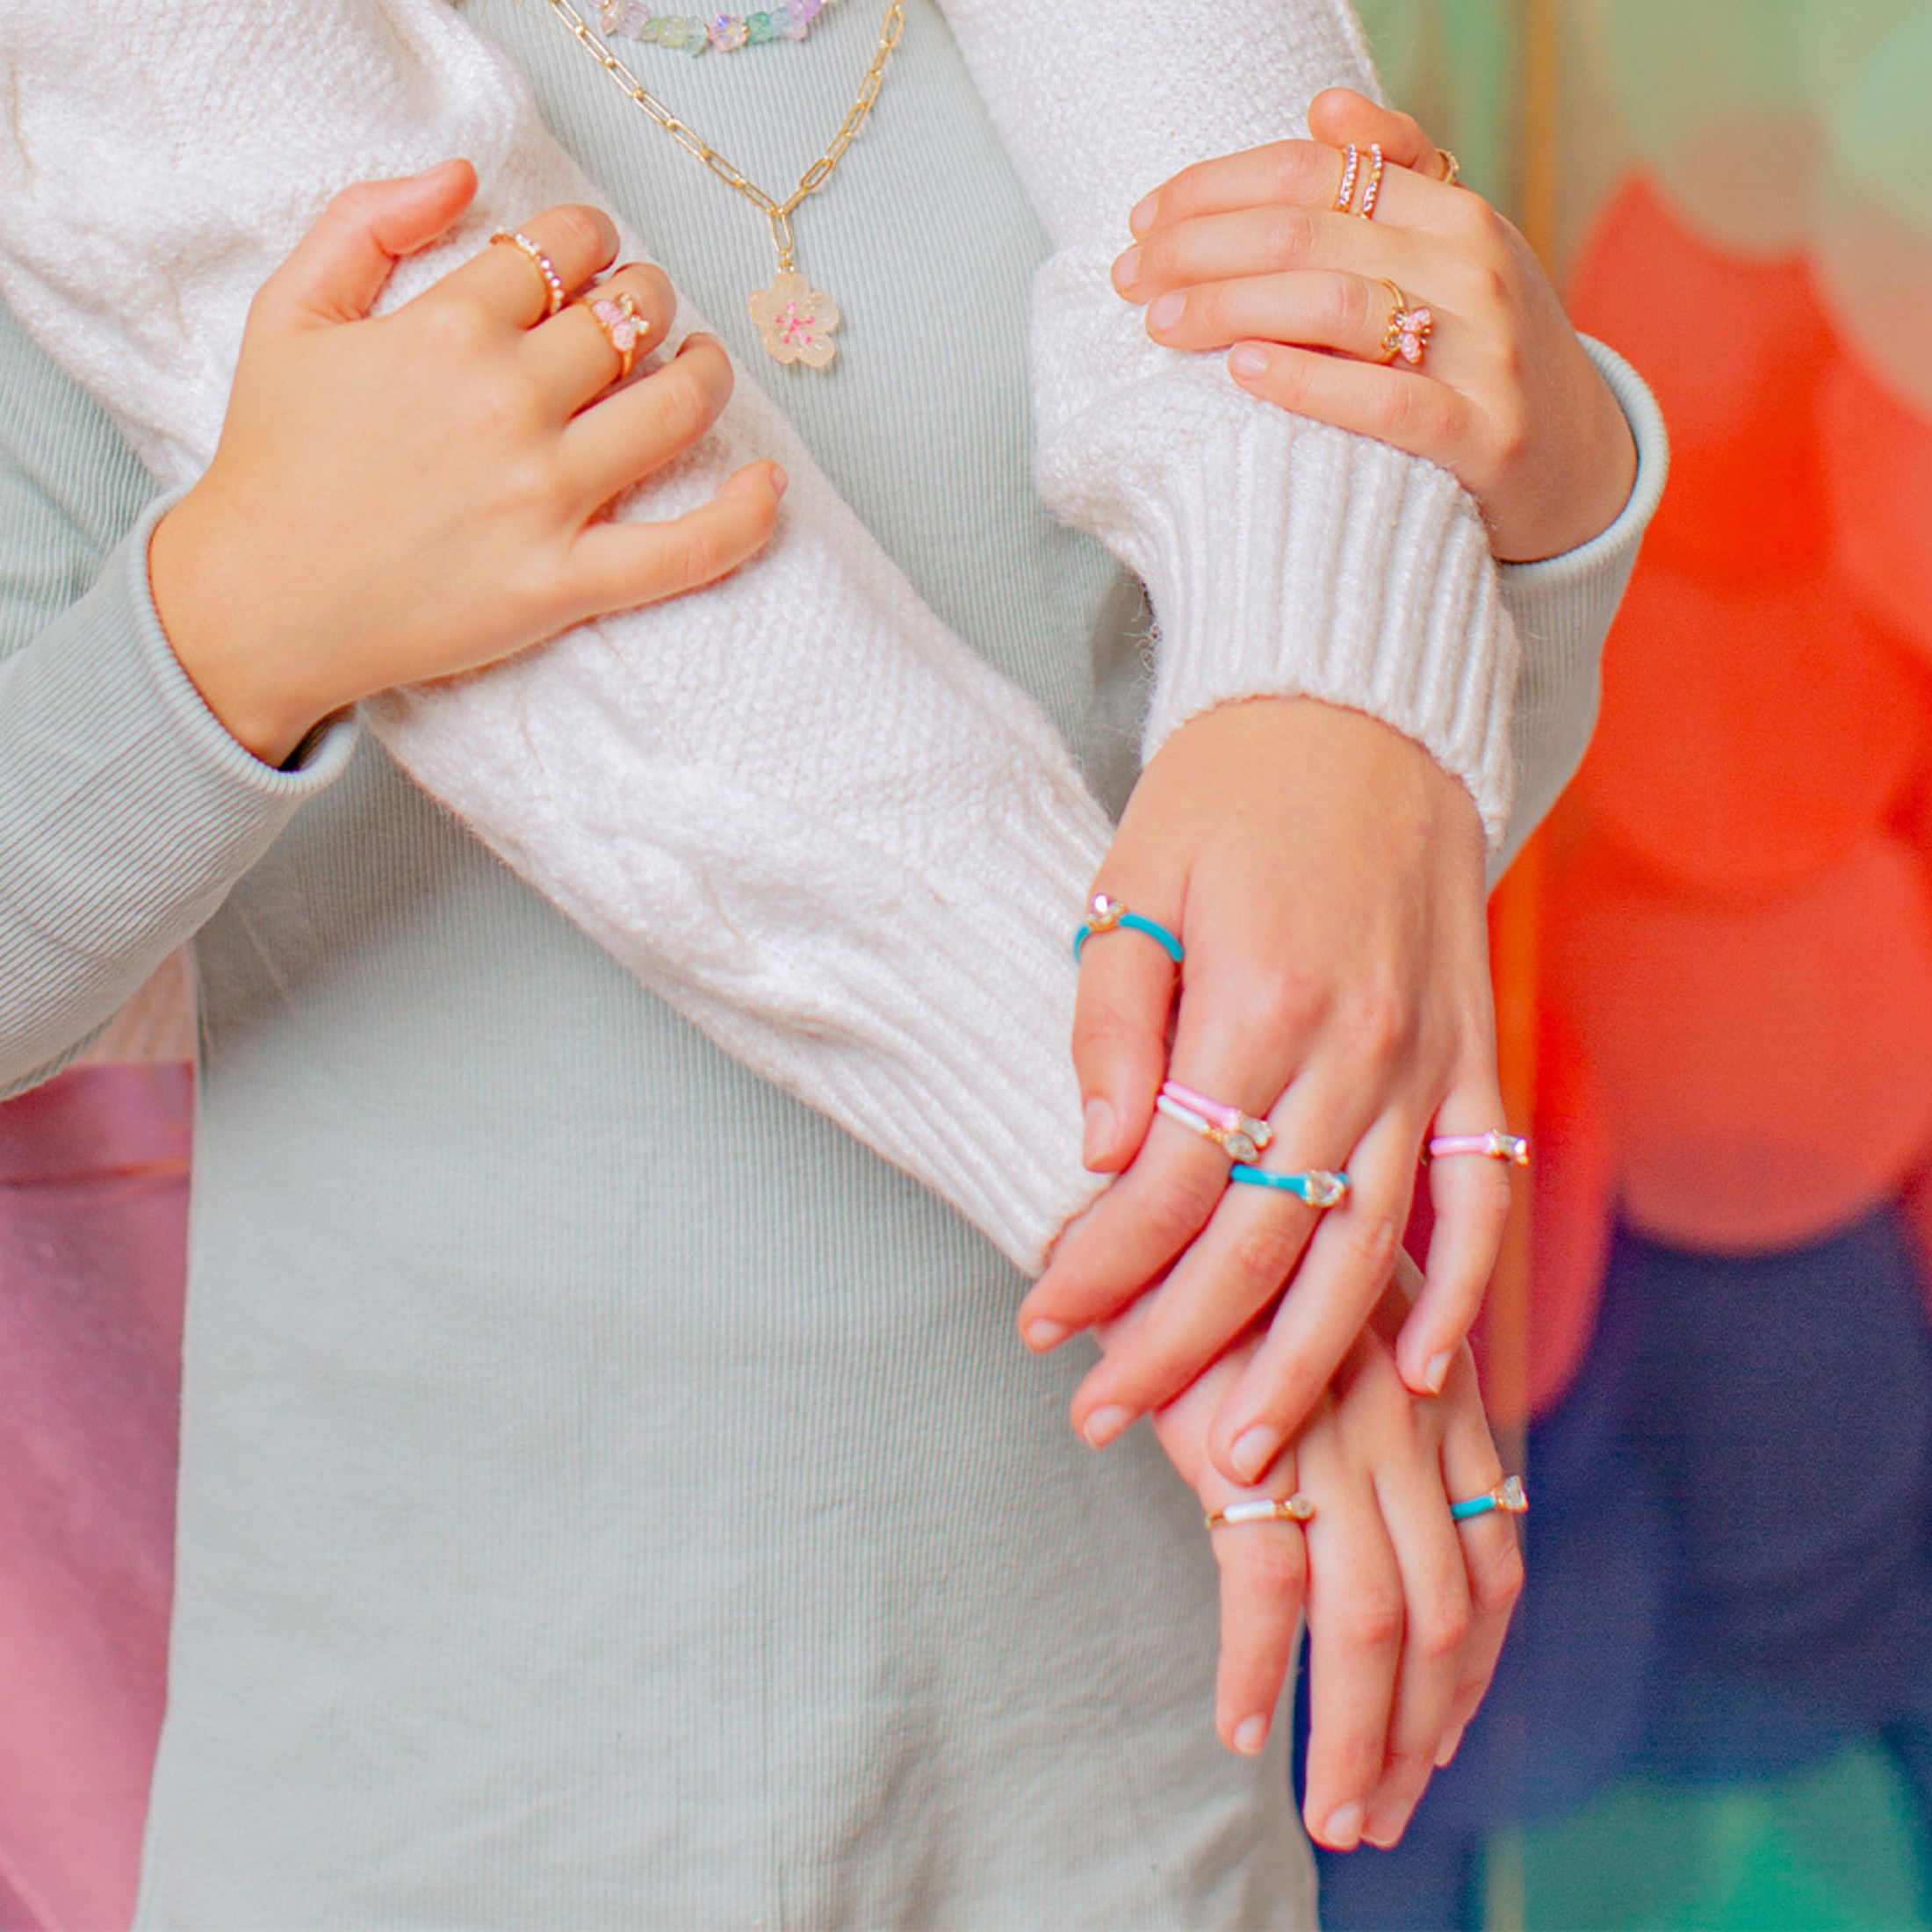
795	321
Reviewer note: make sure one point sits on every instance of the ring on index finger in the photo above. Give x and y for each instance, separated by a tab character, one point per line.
555	294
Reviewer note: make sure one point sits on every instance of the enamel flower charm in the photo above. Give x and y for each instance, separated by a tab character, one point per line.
796	319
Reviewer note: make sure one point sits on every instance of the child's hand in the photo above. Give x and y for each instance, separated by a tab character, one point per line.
1406	1608
1247	253
399	497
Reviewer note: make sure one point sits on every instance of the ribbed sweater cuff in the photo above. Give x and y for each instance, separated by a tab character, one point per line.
160	809
1287	558
967	1082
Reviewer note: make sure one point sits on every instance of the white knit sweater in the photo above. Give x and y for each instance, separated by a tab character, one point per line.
796	805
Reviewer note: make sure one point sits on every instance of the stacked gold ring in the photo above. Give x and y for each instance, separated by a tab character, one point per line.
555	294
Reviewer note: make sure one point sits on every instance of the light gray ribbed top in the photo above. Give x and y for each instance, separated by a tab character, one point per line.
609	1497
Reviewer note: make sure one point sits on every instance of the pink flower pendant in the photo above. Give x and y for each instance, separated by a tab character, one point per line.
794	320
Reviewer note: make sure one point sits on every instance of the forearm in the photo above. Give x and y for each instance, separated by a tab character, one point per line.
126	813
1282	556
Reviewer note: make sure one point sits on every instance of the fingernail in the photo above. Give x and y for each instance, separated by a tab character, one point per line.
1248	361
1127	269
780	481
1344	1829
1097	1131
1449	1746
1142	217
1106	1424
1250	1735
1046	1334
1253	1451
1383	1835
1436	1372
1165	310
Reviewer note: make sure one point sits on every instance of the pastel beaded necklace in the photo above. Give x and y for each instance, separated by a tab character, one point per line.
781	20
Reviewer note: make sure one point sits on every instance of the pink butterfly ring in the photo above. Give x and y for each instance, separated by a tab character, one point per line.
1406	334
624	328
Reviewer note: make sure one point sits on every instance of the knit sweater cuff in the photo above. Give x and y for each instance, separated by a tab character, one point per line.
1285	557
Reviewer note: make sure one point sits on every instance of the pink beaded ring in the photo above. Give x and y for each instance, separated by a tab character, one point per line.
1495	1145
1240	1136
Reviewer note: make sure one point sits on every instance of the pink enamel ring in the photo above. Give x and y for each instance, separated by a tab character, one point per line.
1494	1145
1241	1135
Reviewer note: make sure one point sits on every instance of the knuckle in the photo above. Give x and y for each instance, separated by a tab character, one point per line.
1290	1004
1443	1628
685	410
579	229
1176	1209
692	554
1372	1620
1287	236
1264	1255
1497	1582
1371	1242
1381	1026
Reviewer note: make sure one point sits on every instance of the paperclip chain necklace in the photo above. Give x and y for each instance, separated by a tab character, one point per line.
795	321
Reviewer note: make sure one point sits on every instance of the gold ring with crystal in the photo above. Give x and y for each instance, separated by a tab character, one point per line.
1263	1509
555	294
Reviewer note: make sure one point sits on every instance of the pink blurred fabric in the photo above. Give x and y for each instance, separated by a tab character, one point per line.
93	1226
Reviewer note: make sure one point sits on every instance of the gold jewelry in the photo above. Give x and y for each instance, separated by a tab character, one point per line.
555	294
1372	192
1451	168
1408	331
623	327
1294	1509
1351	166
795	321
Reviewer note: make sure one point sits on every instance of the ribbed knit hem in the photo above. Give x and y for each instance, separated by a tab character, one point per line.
161	811
1287	558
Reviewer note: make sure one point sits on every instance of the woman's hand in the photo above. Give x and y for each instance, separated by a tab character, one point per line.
399	497
1246	252
1406	1609
1326	876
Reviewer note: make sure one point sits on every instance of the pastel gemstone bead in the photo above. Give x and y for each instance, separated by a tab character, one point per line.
757	27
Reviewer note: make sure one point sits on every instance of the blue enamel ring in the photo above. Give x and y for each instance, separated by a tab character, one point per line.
1316	1186
1105	915
1507	1496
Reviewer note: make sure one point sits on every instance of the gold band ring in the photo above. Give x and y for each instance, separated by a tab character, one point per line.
1451	168
1407	333
623	327
1371	191
555	294
1293	1509
1351	166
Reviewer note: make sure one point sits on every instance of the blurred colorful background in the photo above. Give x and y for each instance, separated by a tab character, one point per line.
1715	966
1709	1342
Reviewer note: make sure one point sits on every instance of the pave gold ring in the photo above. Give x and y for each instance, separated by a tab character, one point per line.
1262	1508
555	294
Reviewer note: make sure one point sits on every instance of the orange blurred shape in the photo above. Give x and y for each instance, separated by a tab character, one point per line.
1733	348
1572	1183
1766	1067
1878	471
1749	735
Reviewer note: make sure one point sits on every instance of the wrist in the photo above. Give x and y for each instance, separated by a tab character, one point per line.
206	608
